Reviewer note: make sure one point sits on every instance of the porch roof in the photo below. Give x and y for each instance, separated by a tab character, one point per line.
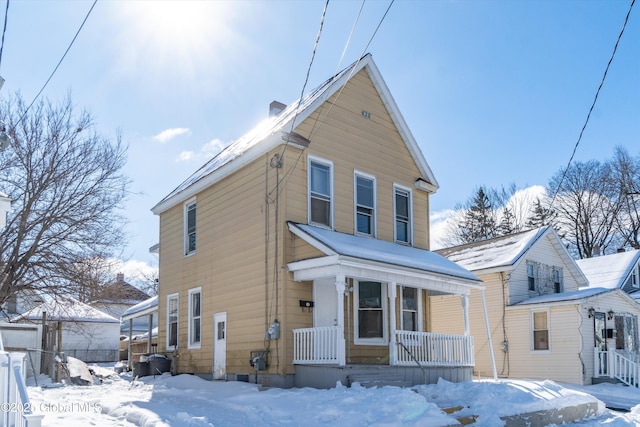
364	257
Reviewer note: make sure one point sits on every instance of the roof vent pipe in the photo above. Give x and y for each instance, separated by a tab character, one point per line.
276	108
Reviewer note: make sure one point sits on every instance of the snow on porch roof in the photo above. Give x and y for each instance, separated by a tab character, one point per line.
147	306
336	243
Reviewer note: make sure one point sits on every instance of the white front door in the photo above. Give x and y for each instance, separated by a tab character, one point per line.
325	303
219	345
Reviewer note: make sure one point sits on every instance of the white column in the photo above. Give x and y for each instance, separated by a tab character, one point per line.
341	286
465	308
393	350
486	321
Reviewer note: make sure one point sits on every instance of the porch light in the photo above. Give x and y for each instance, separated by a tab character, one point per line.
592	312
610	314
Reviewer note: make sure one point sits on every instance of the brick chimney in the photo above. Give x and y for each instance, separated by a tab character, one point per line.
120	277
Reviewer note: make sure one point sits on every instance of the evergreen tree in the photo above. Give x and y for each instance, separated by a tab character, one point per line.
507	223
540	216
479	222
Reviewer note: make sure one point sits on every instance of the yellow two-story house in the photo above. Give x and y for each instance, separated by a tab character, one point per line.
298	256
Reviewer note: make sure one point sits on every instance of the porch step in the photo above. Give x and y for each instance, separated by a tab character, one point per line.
377	379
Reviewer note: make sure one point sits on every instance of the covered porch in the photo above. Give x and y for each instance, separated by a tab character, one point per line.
370	307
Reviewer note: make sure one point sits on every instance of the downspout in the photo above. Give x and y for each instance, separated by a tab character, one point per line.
486	321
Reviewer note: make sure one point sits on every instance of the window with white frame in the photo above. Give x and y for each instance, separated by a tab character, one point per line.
540	320
402	212
557	280
172	321
531	277
370	313
410	306
190	227
320	192
195	317
365	202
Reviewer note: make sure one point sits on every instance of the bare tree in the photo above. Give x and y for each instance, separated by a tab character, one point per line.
67	189
626	173
586	205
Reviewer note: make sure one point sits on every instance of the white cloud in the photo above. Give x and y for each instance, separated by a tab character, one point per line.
168	134
439	227
207	151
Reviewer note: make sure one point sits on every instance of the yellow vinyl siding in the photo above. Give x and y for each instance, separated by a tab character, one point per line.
229	263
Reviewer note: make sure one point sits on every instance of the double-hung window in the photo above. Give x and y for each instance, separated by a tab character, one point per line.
195	317
190	227
410	309
402	212
531	277
172	321
557	280
365	211
370	320
540	330
320	192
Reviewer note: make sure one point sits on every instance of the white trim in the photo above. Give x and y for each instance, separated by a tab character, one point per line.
374	217
418	307
385	315
332	198
410	208
532	329
185	227
177	298
190	343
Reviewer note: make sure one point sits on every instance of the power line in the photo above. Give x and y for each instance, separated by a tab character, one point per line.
4	30
306	80
59	62
604	76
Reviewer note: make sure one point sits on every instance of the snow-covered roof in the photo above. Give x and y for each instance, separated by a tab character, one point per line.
609	271
502	251
335	243
273	132
572	297
67	309
143	308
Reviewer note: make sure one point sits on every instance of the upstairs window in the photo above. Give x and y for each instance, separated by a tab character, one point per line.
365	205
557	281
195	317
531	278
190	227
402	212
320	192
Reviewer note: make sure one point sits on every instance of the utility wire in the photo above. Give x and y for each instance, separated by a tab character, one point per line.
316	125
59	62
4	30
593	104
306	80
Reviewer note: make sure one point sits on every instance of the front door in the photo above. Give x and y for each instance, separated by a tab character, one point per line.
325	304
219	345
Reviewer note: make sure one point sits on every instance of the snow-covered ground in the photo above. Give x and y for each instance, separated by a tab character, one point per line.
186	400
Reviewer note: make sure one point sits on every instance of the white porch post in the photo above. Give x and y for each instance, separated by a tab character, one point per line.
465	309
341	286
393	351
486	321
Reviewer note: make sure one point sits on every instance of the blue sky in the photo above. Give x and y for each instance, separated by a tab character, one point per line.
494	92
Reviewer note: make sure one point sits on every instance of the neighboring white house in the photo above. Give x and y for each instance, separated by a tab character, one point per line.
619	270
86	333
545	322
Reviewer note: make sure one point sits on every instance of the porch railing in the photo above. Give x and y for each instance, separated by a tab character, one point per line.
13	393
321	345
618	364
433	349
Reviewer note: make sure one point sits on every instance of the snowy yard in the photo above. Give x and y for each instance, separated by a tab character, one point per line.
186	400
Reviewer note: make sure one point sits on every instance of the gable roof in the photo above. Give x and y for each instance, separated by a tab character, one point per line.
67	309
609	271
506	252
120	292
334	243
574	297
275	131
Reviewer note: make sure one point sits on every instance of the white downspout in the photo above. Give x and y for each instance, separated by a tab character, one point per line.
391	292
486	320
